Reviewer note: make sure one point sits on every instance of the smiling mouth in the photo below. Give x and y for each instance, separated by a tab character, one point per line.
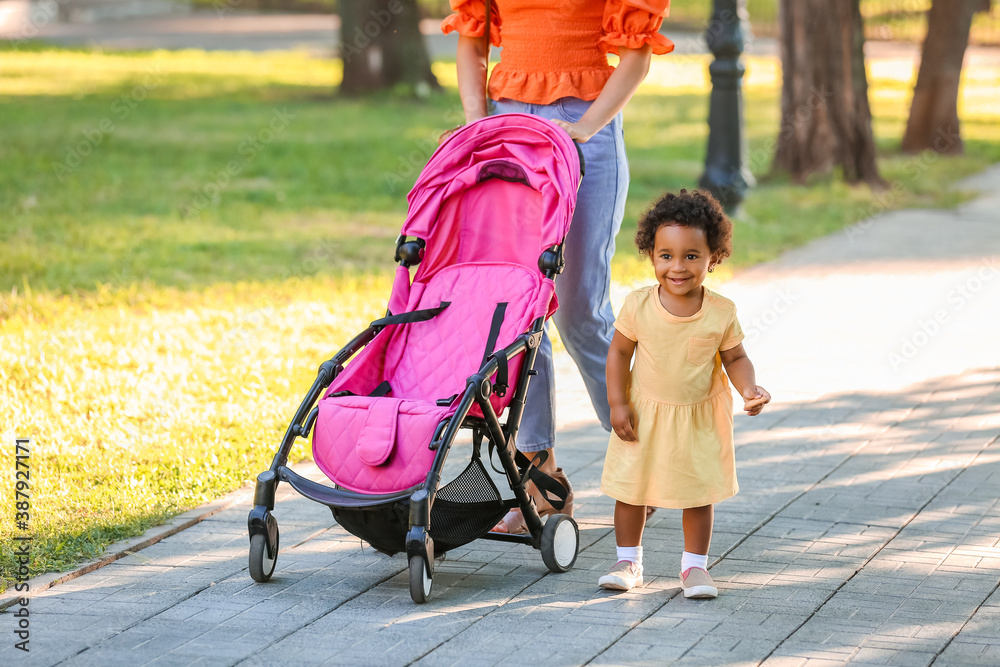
677	281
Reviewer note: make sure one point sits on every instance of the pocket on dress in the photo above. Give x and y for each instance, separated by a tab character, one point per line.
702	350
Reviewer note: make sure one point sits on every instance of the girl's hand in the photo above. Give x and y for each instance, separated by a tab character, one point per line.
575	131
447	134
754	400
623	423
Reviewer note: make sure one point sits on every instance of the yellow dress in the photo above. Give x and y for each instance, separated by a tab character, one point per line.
682	403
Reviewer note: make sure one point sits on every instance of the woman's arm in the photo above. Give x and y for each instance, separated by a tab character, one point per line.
741	373
617	372
621	86
471	58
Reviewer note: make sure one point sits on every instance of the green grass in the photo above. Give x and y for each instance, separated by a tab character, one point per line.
159	322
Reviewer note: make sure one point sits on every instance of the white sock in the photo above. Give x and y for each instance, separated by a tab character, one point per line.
689	560
633	554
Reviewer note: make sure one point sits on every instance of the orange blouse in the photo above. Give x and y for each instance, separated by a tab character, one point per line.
558	48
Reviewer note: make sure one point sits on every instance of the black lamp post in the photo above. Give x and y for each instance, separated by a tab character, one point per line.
726	176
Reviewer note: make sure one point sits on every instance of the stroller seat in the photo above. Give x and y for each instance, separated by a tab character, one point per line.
380	443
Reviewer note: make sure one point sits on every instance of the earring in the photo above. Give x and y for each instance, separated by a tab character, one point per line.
711	268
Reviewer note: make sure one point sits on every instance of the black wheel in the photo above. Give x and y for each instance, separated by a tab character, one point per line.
560	542
420	583
262	567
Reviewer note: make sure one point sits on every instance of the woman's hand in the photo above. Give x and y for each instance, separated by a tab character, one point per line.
575	130
623	422
624	81
754	400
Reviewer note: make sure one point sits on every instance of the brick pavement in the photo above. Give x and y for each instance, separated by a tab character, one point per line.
866	531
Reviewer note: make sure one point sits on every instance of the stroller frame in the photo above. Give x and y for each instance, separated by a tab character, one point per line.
557	538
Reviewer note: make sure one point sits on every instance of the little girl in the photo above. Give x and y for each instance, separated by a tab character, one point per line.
672	414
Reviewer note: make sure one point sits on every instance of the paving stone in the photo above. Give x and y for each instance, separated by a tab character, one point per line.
867	529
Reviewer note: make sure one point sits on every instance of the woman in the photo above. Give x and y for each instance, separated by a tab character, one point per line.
554	65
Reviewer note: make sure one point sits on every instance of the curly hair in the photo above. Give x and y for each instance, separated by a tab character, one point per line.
698	209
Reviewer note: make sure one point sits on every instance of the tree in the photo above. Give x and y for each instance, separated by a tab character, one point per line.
825	117
382	47
933	122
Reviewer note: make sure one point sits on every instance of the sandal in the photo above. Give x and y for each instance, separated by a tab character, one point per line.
545	508
513	522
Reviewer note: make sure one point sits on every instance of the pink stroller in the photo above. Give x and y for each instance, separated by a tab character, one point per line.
485	228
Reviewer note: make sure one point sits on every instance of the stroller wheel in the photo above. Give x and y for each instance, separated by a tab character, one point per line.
420	583
560	542
262	567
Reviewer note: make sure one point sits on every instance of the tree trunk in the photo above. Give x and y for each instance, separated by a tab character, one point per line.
825	117
382	47
933	122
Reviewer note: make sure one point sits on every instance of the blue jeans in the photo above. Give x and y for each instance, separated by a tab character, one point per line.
585	318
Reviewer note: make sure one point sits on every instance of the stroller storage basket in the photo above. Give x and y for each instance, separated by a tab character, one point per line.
463	511
466	508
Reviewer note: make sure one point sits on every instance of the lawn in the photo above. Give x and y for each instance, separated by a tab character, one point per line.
186	235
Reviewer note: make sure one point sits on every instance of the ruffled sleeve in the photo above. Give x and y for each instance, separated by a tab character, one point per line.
469	19
633	24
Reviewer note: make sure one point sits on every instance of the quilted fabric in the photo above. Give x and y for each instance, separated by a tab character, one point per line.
377	438
423	362
434	358
344	421
541	150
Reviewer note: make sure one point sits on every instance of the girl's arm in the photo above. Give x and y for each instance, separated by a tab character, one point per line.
741	374
471	58
619	360
621	86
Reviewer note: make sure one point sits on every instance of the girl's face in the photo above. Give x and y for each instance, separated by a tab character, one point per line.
681	259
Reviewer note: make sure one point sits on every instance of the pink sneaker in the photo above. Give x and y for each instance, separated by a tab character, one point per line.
697	584
624	576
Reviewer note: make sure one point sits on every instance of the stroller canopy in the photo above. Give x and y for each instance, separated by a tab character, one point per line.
501	189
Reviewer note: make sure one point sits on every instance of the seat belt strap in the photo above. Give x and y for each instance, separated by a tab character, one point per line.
413	316
491	341
382	390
